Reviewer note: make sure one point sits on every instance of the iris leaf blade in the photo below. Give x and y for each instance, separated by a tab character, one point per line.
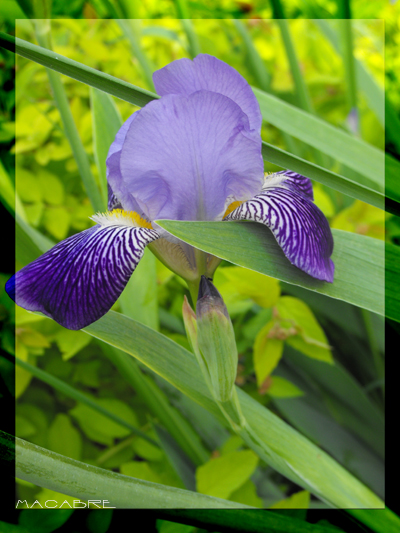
366	159
106	122
68	476
290	453
331	179
359	260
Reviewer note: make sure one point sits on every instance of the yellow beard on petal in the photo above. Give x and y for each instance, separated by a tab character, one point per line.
232	207
119	217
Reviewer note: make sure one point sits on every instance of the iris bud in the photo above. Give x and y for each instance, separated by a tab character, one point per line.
216	340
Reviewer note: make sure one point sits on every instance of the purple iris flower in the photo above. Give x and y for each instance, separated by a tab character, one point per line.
193	154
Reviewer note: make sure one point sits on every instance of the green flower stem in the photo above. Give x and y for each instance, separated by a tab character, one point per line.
80	397
158	404
71	131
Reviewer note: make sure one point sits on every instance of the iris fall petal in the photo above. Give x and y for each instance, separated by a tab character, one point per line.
77	281
285	205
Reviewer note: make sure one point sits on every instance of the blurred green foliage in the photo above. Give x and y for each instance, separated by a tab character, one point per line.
270	323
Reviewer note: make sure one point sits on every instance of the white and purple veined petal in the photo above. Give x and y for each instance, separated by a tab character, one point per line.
77	281
286	206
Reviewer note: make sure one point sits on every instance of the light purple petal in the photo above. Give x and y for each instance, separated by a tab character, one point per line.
79	279
206	72
298	225
116	191
183	156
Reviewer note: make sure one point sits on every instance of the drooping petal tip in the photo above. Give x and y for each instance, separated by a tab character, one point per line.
300	228
77	281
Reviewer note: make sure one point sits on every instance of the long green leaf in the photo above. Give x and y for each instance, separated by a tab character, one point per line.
392	287
381	521
335	181
130	30
359	260
62	474
365	190
106	122
358	155
95	78
79	396
71	131
157	402
374	94
289	452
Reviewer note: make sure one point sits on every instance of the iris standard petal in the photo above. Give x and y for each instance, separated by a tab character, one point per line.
299	226
183	156
185	76
116	191
79	279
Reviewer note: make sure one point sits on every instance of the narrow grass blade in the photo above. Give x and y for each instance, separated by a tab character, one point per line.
191	36
78	396
71	131
392	123
255	63
106	122
289	452
30	243
185	469
78	71
360	191
139	299
381	521
8	196
131	32
363	417
248	521
358	155
335	439
359	260
182	9
86	482
392	276
392	173
158	404
373	93
348	61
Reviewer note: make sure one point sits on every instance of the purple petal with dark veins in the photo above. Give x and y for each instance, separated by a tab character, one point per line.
298	225
113	202
79	279
294	181
206	72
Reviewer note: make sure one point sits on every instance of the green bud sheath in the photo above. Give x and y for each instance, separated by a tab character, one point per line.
216	340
